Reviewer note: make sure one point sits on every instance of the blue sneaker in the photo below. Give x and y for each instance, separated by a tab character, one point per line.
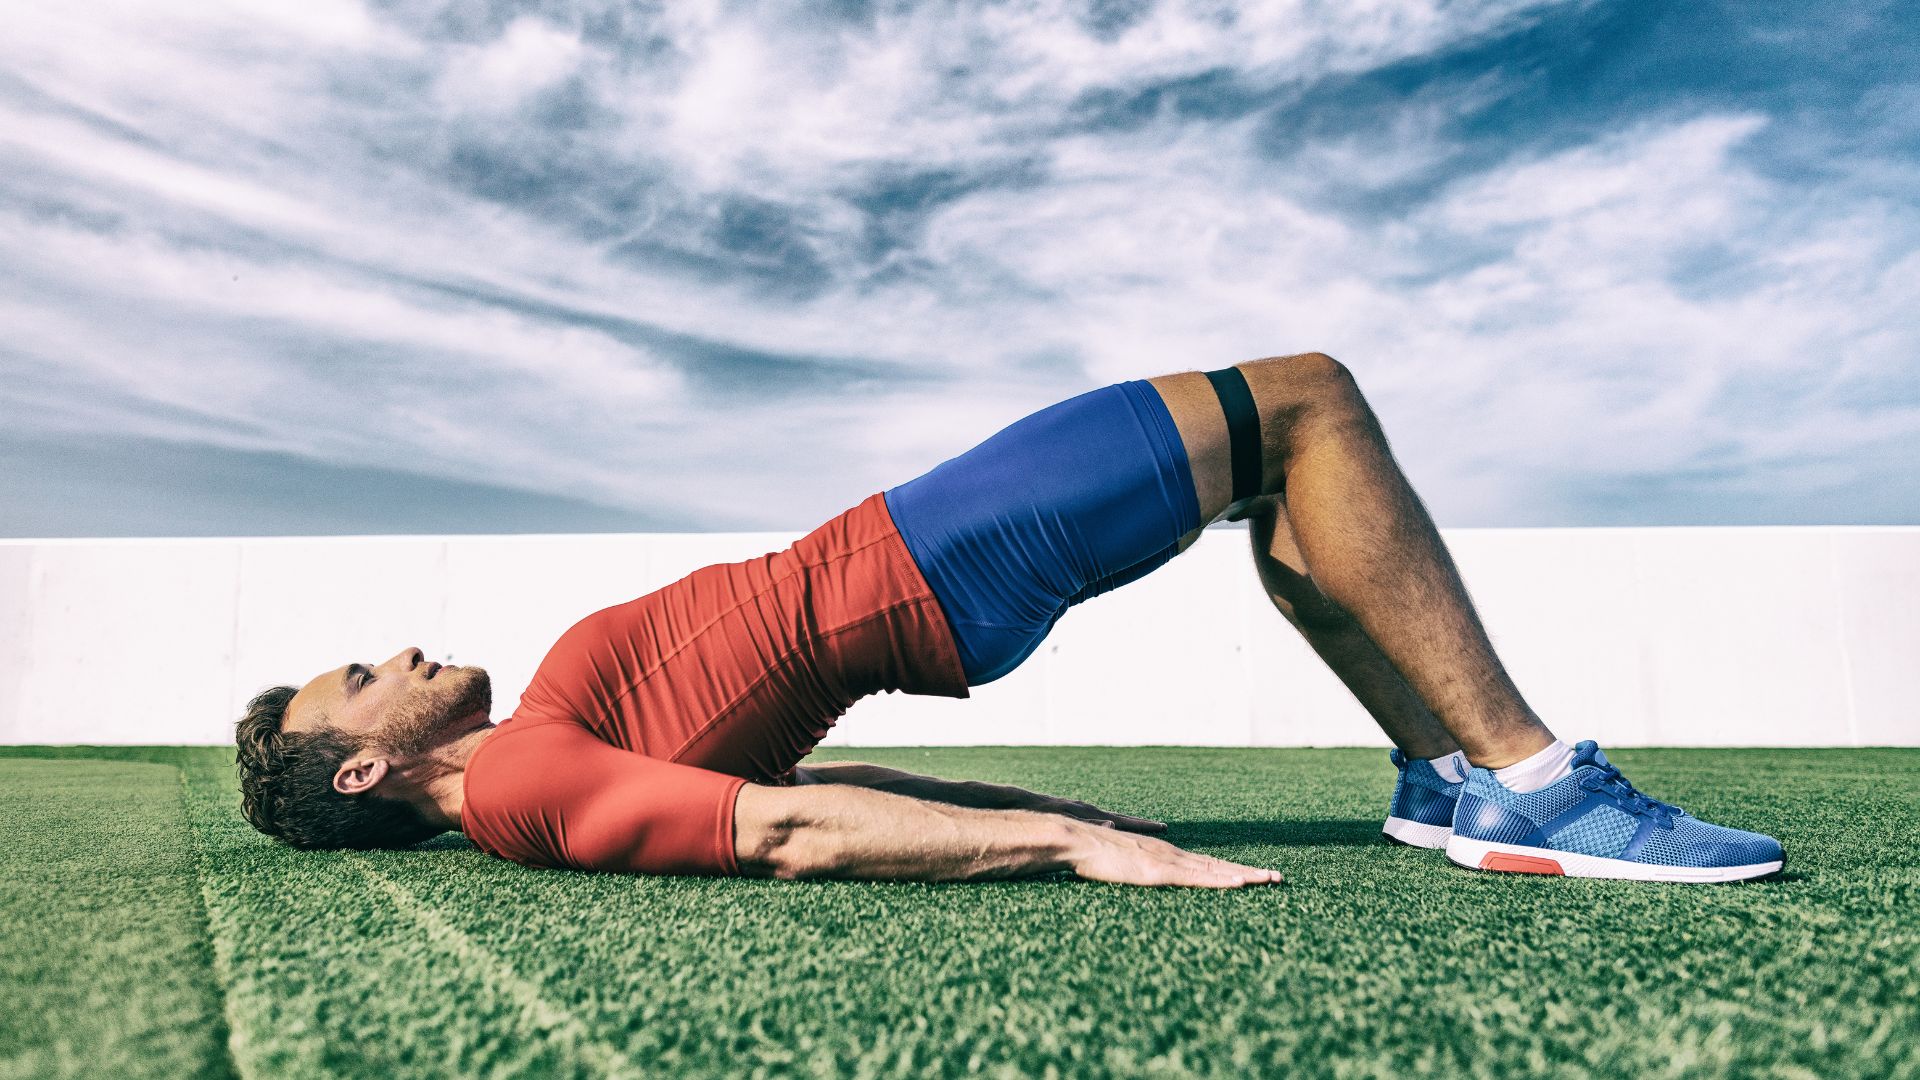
1421	813
1594	824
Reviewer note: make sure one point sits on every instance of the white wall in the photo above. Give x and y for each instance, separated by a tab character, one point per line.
1667	636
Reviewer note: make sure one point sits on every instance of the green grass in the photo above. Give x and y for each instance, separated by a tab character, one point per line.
1373	960
102	934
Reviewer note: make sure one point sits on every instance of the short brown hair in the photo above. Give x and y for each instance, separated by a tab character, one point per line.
286	785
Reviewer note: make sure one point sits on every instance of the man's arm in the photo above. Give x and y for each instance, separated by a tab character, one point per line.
974	793
841	831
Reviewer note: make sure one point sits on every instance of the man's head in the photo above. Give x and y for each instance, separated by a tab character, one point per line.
341	761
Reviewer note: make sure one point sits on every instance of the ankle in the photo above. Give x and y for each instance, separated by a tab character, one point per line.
1418	750
1511	751
1536	771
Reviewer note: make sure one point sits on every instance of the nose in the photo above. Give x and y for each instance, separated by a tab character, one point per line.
410	657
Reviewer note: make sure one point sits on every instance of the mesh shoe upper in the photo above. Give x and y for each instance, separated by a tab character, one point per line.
1421	794
1692	842
1595	811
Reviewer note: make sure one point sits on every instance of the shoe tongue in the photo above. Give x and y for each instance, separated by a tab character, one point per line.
1588	752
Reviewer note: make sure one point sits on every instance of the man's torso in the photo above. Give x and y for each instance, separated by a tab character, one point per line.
737	669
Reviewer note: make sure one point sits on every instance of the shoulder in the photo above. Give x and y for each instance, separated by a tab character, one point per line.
511	774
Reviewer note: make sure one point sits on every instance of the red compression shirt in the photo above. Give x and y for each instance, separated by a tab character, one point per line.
644	719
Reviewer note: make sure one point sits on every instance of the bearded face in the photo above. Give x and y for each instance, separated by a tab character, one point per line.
453	700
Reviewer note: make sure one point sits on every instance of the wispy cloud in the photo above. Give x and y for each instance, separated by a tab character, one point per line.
726	267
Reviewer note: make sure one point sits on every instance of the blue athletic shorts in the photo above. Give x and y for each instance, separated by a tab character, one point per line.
1070	502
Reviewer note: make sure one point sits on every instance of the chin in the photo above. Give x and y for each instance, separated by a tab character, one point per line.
475	704
464	706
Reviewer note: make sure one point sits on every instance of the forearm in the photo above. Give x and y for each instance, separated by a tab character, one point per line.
971	793
844	831
841	831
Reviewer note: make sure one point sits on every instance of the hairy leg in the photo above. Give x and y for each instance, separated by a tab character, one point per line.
1372	547
1337	636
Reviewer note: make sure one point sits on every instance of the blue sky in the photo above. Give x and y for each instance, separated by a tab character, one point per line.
340	268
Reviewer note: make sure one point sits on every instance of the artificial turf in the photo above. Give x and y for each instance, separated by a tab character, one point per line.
1372	960
104	960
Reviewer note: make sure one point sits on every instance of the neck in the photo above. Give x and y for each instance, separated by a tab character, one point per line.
439	779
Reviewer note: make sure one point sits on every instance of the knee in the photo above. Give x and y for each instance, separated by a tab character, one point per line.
1319	369
1301	383
1317	365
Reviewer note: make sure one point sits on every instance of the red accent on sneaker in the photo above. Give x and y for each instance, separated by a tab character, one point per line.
1520	864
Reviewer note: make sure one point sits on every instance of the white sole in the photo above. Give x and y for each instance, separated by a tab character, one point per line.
1513	858
1414	834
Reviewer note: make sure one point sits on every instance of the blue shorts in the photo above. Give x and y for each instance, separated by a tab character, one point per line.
1070	502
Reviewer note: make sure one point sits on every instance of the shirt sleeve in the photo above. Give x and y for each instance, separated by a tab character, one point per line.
555	795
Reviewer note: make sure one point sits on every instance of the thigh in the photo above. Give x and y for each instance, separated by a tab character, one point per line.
1283	387
1202	425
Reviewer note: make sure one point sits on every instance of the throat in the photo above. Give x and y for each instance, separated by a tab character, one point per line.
444	786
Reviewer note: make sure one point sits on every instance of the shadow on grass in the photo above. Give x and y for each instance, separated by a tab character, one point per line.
1341	832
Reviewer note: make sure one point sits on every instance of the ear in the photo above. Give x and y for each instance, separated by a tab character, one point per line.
357	776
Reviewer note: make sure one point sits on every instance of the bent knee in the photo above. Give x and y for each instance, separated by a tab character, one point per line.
1307	369
1292	390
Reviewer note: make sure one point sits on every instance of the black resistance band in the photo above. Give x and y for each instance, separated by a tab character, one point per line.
1243	429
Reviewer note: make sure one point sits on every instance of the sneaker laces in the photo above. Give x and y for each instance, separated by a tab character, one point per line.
1607	777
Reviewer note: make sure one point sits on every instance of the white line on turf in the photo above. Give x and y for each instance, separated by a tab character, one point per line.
226	975
498	973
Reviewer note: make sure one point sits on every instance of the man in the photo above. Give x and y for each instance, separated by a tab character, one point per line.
664	734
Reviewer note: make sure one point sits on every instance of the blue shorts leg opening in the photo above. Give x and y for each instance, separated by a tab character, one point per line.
1059	506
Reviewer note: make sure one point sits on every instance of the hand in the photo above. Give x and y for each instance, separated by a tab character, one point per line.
1048	804
1124	859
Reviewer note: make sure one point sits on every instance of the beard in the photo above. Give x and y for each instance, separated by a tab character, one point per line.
422	722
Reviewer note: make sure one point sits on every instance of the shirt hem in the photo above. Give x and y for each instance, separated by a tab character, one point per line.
954	671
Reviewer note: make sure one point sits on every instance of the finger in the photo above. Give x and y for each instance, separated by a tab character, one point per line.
1090	812
1253	875
1257	873
1220	881
1197	869
1214	874
1127	820
1106	823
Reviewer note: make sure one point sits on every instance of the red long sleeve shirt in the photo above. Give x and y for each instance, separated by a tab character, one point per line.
644	719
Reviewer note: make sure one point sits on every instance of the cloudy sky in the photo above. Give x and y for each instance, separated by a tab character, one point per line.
335	267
